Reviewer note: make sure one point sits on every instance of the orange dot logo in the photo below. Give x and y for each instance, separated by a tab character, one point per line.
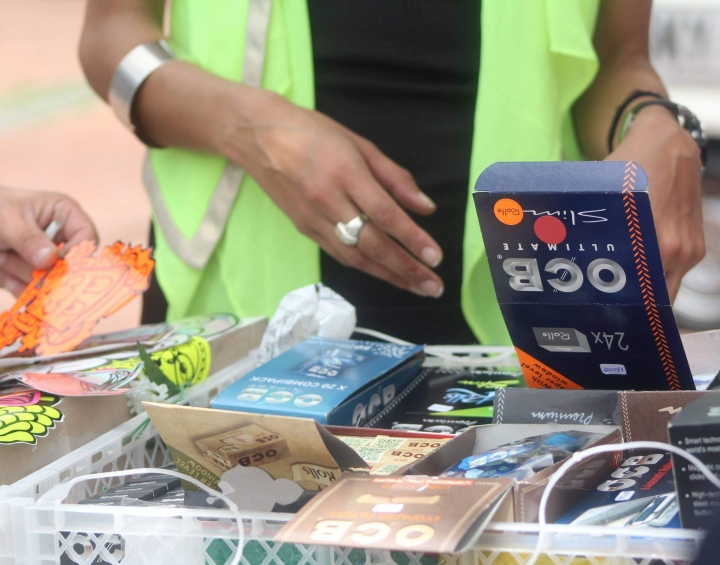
508	211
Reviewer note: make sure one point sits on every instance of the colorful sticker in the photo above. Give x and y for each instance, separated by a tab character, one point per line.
104	382
188	362
25	398
61	306
206	326
27	423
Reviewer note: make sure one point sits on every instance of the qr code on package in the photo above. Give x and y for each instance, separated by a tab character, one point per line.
381	442
370	454
356	441
387	469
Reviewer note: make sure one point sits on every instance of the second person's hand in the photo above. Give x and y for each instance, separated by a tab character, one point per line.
24	246
320	173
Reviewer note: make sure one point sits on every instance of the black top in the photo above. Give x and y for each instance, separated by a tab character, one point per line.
404	74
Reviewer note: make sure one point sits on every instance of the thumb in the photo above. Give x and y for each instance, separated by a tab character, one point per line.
30	242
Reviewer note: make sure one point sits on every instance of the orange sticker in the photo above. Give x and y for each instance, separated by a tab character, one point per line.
61	306
508	211
539	375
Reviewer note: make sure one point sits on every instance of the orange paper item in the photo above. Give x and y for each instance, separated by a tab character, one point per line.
539	375
61	306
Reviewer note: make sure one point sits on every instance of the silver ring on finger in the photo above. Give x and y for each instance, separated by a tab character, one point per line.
349	232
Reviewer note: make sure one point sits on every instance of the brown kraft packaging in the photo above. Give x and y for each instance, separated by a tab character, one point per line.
423	514
296	449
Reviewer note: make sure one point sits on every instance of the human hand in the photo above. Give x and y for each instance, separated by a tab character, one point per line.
671	159
320	173
24	214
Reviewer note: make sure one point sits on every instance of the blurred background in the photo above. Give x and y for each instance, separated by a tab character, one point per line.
55	134
685	48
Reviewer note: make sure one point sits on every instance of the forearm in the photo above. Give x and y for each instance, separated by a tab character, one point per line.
621	43
594	112
112	28
656	140
179	105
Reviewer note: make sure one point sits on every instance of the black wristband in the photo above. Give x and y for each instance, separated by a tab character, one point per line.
634	95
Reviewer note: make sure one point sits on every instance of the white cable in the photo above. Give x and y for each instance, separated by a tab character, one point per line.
231	505
437	351
585	454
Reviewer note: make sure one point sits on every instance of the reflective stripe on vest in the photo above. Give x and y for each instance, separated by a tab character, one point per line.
195	252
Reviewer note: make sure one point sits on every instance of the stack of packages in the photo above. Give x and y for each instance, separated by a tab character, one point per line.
397	456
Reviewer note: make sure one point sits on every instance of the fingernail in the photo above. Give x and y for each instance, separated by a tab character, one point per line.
3	257
431	288
42	255
425	199
431	256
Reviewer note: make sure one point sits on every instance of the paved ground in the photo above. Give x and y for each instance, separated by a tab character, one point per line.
55	134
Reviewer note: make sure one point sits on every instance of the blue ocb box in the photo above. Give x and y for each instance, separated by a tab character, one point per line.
338	382
576	268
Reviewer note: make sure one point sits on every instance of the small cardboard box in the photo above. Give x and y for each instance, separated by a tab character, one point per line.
248	445
576	267
447	400
278	457
542	406
639	493
696	429
390	455
644	416
527	493
419	514
341	382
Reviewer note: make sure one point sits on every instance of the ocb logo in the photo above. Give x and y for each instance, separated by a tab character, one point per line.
508	211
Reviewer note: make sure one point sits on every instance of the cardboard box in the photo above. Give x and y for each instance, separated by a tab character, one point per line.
418	514
643	415
527	493
696	429
541	406
391	455
247	445
639	493
447	400
278	457
370	432
577	271
342	382
87	418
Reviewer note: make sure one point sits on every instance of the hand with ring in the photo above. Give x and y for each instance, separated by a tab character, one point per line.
337	188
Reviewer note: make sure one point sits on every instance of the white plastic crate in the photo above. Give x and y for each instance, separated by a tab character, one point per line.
115	450
38	527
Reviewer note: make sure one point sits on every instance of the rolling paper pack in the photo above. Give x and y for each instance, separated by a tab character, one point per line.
576	267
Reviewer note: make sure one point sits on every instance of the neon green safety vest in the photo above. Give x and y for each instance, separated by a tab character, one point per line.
223	245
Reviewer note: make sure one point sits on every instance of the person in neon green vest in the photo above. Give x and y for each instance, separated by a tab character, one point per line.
240	100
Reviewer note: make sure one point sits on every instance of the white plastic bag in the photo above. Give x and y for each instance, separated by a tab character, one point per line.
314	310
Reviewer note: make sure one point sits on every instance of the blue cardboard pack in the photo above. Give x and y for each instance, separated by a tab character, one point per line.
576	267
339	382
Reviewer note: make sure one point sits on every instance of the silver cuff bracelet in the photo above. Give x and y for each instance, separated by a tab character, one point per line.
132	71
